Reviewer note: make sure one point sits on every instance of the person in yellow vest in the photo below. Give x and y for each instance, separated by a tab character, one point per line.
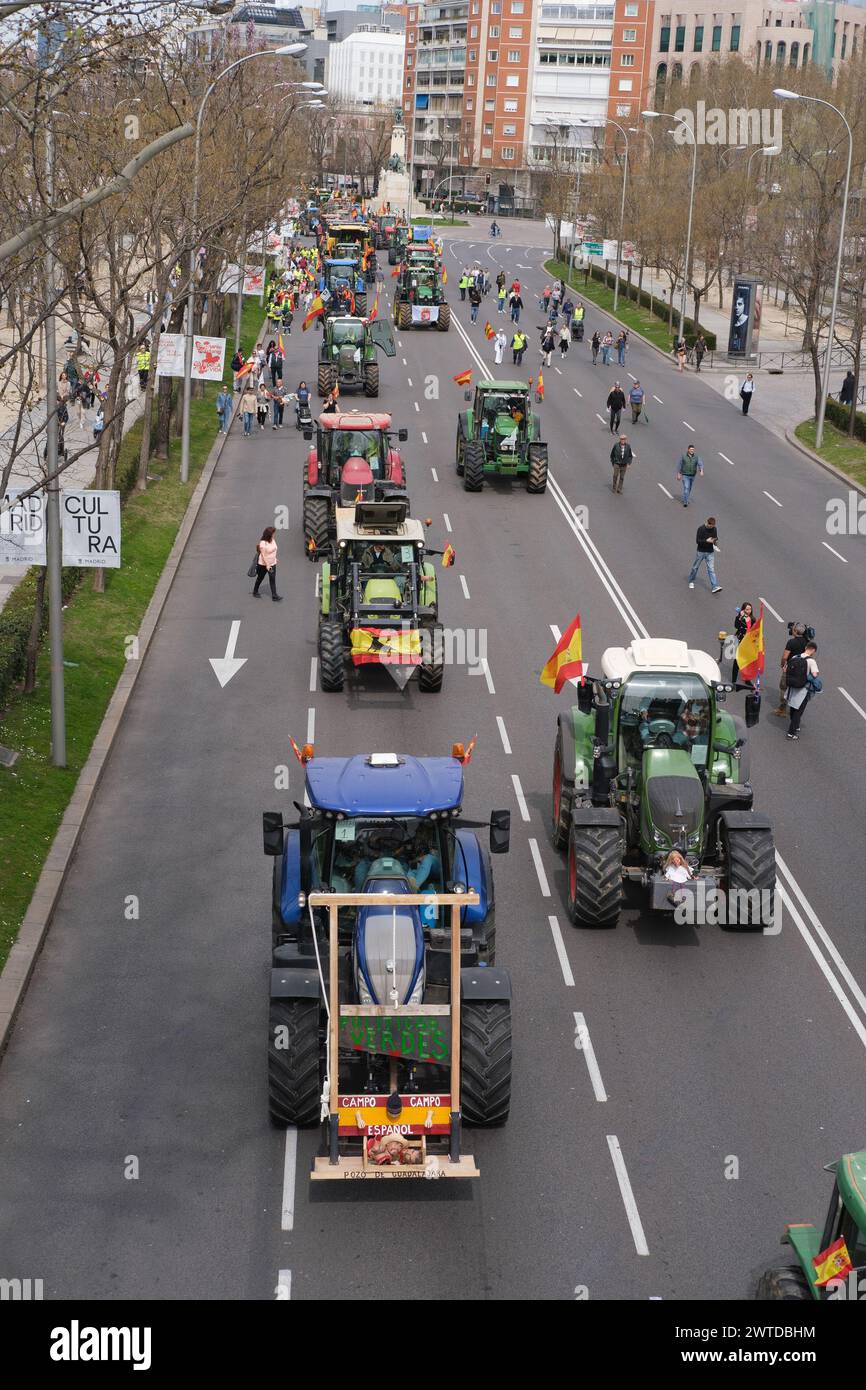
142	364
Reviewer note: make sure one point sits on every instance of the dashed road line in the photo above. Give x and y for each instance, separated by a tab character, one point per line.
521	799
627	1195
601	418
688	426
435	475
539	869
311	725
464	586
583	1043
659	399
290	1165
834	552
577	393
284	1286
560	952
630	377
665	491
409	379
727	460
503	734
447	520
770	608
314	673
485	671
556	369
405	364
851	701
423	437
417	406
771	497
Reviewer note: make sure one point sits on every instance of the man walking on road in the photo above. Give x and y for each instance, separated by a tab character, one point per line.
620	456
616	405
636	397
518	346
689	466
747	390
707	544
795	646
224	409
700	350
802	669
474	300
595	344
516	305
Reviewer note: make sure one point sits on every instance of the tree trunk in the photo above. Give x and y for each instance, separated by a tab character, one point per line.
34	635
697	310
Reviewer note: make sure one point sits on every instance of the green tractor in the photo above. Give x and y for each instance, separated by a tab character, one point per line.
397	244
419	299
499	433
347	355
831	1264
646	764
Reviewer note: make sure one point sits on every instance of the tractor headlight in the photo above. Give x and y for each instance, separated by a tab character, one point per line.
659	838
694	839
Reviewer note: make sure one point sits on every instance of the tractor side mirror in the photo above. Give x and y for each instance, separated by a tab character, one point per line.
500	831
584	697
403	435
753	709
467	395
272	832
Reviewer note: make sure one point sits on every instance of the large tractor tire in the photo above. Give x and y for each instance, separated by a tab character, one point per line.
360	305
485	1061
536	478
371	379
473	466
563	794
750	865
458	452
327	379
443	322
332	665
787	1283
404	315
432	669
370	272
594	873
392	255
294	1080
316	518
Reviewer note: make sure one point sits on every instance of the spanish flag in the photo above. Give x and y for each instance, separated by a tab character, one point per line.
247	367
832	1263
539	390
280	342
444	275
375	310
750	652
448	555
385	646
395	272
463	378
489	331
566	660
315	309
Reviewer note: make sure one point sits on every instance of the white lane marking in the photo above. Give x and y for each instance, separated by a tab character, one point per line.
521	799
464	586
417	406
821	963
630	377
771	497
665	491
835	552
503	734
560	952
447	520
405	364
556	369
659	399
556	631
423	437
577	393
688	426
539	869
409	379
583	1043
487	676
627	1195
727	460
770	608
290	1166
601	418
620	602
852	702
311	725
435	475
314	671
399	343
521	266
284	1286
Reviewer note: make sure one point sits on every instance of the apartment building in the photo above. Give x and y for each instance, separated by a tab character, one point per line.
571	81
366	67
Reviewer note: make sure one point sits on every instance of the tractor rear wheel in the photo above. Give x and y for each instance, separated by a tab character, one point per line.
327	379
563	792
392	255
332	666
594	875
443	322
750	867
787	1282
432	668
485	1061
536	478
473	466
294	1080
316	517
404	315
371	379
360	305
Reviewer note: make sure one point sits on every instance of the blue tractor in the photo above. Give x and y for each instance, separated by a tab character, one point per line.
386	823
344	281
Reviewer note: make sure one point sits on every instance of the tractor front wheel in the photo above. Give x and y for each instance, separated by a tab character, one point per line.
563	792
315	520
371	379
432	668
332	666
750	869
473	466
536	478
594	875
360	305
404	315
443	322
485	1057
327	379
787	1282
294	1080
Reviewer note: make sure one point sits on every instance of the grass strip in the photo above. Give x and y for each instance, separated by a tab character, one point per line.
848	455
627	312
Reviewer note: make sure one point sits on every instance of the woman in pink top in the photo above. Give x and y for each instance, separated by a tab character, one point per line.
266	563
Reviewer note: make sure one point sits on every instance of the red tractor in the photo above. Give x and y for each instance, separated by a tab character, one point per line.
353	459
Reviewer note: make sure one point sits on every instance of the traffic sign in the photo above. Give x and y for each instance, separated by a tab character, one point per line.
593	248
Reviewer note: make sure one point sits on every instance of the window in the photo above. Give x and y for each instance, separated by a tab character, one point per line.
625	84
470	79
473	55
493	55
486	152
631	11
698	44
515	31
411	38
664	38
513	81
626	60
488	128
629	35
473	32
517	6
495	7
509	129
795	54
469	104
680	38
493	31
717	38
735	38
491	79
508	150
514	55
413	15
509	105
408	60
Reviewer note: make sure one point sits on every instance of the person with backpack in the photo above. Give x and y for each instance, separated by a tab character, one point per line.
803	682
795	646
224	409
474	300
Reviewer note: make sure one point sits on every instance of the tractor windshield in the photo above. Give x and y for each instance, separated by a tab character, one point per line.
666	710
412	844
348	334
502	413
384	574
365	444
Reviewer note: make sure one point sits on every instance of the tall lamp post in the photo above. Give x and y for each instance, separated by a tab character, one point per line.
825	384
289	50
655	115
624	135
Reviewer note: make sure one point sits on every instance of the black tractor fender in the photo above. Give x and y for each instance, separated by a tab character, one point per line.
295	984
565	726
485	982
745	820
596	816
318	490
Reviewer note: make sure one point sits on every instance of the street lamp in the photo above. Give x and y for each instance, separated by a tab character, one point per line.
642	130
732	149
656	115
624	135
289	50
825	384
767	150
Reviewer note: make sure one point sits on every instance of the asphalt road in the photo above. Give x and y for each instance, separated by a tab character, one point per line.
141	1045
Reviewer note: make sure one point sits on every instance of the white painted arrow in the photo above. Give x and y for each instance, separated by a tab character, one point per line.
227	666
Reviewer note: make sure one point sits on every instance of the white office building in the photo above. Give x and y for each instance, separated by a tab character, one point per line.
570	80
366	68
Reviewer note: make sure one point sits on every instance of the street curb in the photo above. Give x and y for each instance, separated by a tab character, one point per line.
22	958
828	467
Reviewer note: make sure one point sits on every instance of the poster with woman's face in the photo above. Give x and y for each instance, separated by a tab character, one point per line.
739	330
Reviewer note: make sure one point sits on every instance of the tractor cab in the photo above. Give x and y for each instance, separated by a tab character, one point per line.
380	562
501	417
347	338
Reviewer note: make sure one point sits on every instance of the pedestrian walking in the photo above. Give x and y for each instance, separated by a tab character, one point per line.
846	390
803	681
621	458
500	280
262	406
544	302
500	299
516	304
595	345
98	424
564	341
463	283
744	621
606	349
747	390
548	343
518	347
621	345
248	409
707	545
224	409
142	365
64	386
615	405
568	312
795	646
236	363
500	342
700	350
266	563
475	301
680	354
636	397
82	395
687	469
278	404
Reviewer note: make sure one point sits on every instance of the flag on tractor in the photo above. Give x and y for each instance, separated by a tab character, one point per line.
395	272
316	308
386	646
566	661
296	748
448	555
539	390
375	310
489	331
464	755
463	378
750	652
832	1263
